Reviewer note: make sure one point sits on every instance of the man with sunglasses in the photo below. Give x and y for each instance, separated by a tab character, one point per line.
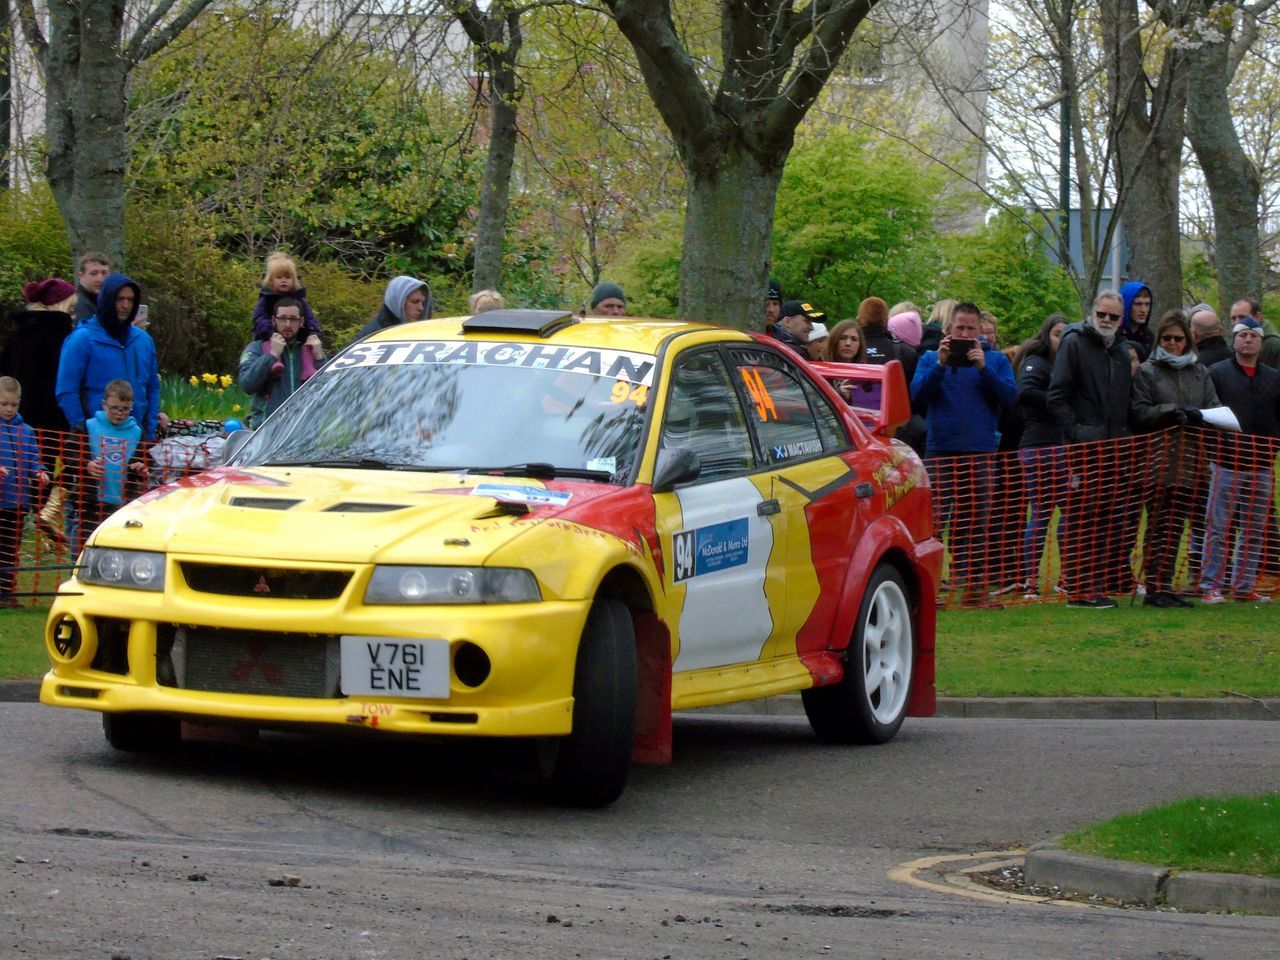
1089	394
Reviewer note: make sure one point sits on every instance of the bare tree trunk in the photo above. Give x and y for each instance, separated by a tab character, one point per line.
495	34
86	63
730	208
1232	179
735	141
1148	119
495	189
85	77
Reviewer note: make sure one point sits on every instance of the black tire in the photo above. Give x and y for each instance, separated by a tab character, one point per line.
883	646
588	768
141	732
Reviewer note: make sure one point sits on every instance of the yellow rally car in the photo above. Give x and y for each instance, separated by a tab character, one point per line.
520	524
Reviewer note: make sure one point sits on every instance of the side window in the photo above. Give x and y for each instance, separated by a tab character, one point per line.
789	421
703	414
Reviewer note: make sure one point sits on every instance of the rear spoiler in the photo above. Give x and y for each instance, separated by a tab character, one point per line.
895	401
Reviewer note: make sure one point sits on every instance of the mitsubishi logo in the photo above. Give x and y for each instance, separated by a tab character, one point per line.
261	586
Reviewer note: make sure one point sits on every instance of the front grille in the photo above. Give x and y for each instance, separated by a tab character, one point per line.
265	582
248	661
112	655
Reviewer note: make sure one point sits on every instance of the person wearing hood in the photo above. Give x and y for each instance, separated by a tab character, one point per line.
1170	390
106	347
1137	317
1089	391
33	347
406	299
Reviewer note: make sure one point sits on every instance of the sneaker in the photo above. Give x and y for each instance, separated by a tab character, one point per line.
1165	600
1212	597
1011	588
1254	597
1092	603
1032	594
1141	591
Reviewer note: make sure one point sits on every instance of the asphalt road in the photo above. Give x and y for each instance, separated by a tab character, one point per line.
755	843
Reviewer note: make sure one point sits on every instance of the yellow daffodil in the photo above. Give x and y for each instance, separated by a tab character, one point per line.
194	381
235	408
209	377
225	380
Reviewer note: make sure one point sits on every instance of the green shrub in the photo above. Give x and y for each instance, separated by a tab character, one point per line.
33	242
649	269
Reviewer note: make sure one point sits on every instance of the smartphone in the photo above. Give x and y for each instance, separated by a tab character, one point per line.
140	319
959	355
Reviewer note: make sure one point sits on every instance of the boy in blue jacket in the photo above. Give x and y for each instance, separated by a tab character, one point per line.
20	470
113	439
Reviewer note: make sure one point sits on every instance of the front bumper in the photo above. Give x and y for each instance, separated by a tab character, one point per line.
122	638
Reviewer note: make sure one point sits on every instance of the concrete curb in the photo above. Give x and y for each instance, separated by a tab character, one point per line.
1149	886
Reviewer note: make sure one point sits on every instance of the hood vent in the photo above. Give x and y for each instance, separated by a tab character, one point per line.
353	507
264	503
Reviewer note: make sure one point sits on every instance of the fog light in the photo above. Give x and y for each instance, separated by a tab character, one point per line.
470	665
67	638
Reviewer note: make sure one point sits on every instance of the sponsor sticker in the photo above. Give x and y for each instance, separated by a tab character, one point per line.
633	368
797	448
708	549
520	493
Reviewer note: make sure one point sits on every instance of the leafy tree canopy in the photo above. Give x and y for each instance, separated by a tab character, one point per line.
282	136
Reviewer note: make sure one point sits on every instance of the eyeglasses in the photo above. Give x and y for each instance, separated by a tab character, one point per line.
1103	315
1172	338
119	408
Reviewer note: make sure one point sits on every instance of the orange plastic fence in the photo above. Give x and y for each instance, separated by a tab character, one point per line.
43	525
1188	511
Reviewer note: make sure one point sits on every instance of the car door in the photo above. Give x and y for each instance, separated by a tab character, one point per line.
808	480
716	533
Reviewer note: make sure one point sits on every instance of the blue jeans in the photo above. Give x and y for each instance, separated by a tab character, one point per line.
1044	473
1242	497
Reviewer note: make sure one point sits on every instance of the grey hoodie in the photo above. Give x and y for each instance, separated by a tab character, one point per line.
392	312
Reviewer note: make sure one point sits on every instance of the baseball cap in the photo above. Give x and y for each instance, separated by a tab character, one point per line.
798	308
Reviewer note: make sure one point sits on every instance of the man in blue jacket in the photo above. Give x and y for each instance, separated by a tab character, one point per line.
106	347
963	386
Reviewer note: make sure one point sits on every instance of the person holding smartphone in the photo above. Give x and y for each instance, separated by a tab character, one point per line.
963	386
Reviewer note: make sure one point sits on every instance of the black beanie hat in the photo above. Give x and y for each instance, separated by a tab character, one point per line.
606	291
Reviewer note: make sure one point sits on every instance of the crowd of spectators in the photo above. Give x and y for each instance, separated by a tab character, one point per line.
1102	422
1099	422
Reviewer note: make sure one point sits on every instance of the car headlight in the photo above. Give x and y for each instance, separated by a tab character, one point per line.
131	569
431	585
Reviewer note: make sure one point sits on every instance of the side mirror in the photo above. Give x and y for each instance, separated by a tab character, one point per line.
675	465
234	443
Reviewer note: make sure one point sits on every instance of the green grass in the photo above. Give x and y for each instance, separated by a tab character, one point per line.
1030	651
22	653
1132	651
1216	834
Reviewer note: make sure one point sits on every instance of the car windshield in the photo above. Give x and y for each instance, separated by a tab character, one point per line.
442	414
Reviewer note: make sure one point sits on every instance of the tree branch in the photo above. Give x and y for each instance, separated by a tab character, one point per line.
141	46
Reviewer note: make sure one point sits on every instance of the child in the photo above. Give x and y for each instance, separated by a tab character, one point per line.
281	280
20	469
113	438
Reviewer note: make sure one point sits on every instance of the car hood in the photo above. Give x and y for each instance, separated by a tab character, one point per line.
340	516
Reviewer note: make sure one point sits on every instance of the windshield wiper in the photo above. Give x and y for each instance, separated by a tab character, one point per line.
545	471
357	463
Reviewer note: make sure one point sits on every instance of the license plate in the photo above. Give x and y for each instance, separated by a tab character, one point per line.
395	667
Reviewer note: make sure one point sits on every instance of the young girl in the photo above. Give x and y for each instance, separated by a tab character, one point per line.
281	280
